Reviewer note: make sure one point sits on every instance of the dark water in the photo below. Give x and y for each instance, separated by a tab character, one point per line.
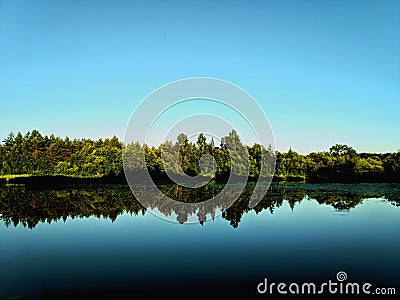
94	242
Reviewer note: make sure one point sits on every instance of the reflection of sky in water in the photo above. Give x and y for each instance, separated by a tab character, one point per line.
310	242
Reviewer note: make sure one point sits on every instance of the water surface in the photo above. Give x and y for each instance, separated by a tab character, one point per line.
99	241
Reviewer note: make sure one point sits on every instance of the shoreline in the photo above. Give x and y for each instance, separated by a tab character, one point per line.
63	180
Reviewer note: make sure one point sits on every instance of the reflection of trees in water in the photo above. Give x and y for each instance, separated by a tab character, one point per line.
29	207
337	200
395	202
217	193
393	196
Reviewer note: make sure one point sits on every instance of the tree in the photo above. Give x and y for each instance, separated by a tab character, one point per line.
341	150
132	156
238	153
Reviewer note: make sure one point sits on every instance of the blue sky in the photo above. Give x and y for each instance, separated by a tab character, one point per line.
325	72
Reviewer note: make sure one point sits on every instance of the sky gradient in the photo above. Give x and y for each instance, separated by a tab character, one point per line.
324	72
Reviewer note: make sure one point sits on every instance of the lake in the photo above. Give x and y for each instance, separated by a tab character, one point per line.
99	241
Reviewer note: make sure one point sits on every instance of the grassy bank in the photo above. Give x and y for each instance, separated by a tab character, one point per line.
59	180
54	180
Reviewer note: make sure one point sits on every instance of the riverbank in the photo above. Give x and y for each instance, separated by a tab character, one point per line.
62	180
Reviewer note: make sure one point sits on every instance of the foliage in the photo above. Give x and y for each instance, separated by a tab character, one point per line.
35	154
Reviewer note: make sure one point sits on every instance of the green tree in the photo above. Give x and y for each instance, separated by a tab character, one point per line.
238	153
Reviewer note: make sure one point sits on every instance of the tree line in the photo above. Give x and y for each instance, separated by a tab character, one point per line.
35	154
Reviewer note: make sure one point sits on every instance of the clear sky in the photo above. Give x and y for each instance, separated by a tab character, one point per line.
325	72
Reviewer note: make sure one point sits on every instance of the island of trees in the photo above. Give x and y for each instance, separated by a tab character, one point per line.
32	154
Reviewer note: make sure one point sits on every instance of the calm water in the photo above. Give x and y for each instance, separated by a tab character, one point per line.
99	241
